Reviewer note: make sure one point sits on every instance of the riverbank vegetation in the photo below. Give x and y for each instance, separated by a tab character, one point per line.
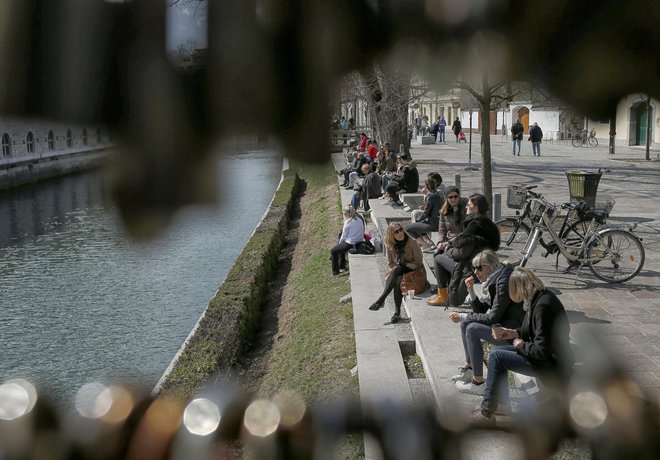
306	344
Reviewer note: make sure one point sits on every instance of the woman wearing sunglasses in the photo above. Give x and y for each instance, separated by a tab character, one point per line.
496	308
403	256
453	264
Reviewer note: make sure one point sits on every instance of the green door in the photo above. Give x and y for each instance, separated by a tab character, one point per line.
641	127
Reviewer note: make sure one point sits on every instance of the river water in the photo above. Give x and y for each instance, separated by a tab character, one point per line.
80	301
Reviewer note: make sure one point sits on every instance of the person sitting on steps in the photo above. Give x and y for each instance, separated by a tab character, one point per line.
352	233
496	308
407	181
540	348
403	256
429	220
452	265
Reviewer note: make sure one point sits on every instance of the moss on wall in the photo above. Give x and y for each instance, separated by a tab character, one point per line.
234	310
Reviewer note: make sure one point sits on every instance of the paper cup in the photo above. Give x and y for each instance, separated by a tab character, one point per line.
411	294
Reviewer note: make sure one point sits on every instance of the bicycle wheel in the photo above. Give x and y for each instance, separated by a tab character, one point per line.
619	255
593	142
577	141
513	237
574	233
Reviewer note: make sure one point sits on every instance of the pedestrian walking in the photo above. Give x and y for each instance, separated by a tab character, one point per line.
457	128
535	135
442	124
517	135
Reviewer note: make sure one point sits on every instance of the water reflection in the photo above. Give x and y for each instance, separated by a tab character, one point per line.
82	302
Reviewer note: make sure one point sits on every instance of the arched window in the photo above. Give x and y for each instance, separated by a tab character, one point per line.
51	140
30	142
69	138
6	145
84	136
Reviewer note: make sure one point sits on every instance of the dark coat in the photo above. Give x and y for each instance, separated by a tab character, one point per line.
479	233
517	131
431	214
371	186
535	134
409	179
545	331
501	309
456	127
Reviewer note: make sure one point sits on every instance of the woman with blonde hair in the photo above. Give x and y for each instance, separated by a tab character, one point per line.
540	346
403	256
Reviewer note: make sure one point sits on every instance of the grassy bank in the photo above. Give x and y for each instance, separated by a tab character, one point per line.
315	350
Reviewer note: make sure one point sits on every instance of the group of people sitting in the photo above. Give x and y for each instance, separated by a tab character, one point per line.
378	173
511	309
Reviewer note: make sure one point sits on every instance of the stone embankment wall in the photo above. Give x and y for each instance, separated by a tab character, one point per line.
33	169
219	338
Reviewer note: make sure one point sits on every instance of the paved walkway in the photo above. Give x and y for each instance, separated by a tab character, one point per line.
626	316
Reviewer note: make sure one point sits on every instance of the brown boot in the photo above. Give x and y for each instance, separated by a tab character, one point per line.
440	299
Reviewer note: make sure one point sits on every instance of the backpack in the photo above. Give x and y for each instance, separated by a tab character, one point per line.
363	247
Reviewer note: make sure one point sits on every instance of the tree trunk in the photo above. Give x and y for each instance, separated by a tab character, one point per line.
648	127
612	133
486	163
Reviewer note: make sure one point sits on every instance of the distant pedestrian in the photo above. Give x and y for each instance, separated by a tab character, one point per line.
535	135
517	135
457	128
442	124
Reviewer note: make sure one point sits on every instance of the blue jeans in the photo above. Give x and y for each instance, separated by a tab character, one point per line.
501	360
472	334
536	148
441	135
516	142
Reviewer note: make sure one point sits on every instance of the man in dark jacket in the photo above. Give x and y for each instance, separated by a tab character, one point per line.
407	181
536	135
517	135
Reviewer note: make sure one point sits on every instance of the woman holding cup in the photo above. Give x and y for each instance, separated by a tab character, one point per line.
486	316
540	345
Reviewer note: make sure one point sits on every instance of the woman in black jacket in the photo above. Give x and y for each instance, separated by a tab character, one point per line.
479	233
430	218
540	346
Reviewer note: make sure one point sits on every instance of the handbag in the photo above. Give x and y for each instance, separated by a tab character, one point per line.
414	281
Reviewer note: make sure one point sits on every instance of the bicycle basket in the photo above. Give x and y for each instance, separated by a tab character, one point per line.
539	207
515	196
605	203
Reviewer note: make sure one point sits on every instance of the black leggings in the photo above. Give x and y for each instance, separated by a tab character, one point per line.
393	282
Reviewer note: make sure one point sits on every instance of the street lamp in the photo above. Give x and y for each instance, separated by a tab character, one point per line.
469	167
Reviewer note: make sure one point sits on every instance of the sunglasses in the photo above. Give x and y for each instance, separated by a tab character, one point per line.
399	230
477	268
452	197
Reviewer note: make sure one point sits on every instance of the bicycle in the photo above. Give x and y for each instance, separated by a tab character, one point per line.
582	139
612	254
514	231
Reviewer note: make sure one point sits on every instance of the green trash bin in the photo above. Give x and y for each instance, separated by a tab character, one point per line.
583	186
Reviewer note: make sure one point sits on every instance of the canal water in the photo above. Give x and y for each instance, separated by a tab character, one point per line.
80	301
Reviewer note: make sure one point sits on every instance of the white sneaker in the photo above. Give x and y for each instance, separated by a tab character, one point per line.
464	375
471	387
